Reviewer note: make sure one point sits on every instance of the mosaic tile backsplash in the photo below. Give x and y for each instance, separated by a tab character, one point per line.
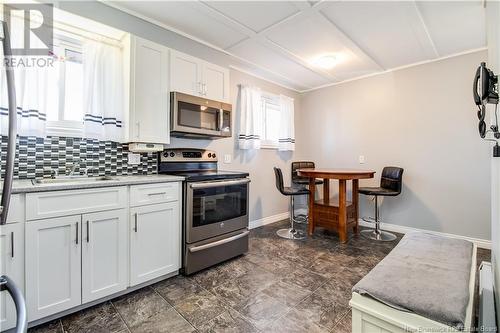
36	157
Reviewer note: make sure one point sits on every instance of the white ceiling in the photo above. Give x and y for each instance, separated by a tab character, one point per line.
278	40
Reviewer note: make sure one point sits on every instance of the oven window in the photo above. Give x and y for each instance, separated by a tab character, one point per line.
218	204
196	116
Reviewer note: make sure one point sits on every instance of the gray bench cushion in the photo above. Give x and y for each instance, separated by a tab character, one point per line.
425	274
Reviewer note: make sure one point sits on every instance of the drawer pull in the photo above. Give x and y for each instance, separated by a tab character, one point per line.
219	242
157	193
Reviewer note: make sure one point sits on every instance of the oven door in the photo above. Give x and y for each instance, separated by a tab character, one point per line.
214	208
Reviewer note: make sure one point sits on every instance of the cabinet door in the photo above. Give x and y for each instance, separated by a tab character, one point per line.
12	265
185	74
154	241
104	254
216	82
150	100
53	265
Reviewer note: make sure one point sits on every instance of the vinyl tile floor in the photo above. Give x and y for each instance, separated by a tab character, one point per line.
278	286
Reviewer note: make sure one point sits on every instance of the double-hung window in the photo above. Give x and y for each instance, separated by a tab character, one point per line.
65	92
271	116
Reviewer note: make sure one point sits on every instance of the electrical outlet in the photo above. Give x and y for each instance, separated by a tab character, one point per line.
134	159
361	159
227	158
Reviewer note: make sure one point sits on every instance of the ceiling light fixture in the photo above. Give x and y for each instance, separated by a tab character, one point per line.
325	61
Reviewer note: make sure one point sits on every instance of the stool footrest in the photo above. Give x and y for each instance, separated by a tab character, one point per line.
369	219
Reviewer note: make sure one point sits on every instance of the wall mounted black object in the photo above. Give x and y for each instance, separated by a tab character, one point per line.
485	91
496	150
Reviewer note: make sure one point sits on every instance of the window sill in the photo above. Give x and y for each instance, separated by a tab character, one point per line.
65	129
271	147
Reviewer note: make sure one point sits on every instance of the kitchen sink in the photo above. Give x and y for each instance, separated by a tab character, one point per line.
63	180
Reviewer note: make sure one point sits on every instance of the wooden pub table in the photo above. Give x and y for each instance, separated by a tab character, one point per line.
334	213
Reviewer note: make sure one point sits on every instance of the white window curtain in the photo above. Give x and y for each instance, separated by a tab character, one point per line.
286	140
103	91
31	95
250	109
31	98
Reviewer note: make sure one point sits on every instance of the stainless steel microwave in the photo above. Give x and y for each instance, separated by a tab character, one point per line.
198	117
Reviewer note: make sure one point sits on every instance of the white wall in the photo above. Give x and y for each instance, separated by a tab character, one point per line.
493	34
420	118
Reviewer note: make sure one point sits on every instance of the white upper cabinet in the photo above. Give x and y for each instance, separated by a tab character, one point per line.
12	265
185	73
216	81
197	77
149	105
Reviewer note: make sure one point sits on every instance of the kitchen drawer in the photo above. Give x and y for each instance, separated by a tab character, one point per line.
16	208
74	202
154	193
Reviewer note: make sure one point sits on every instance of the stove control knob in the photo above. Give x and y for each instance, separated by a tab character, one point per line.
165	154
172	154
213	155
209	154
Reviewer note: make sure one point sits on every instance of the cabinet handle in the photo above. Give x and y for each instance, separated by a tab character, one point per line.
88	232
12	244
135	222
77	232
200	88
204	89
138	125
157	193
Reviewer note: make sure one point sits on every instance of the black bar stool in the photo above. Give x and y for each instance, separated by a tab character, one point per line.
301	182
289	233
391	184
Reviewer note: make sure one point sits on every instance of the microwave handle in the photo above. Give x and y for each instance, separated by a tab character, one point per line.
221	119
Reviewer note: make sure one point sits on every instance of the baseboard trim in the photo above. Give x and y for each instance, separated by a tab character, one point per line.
267	220
482	243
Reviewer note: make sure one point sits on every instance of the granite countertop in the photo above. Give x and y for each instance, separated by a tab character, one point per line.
27	186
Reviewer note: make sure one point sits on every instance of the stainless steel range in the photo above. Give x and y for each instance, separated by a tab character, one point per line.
215	207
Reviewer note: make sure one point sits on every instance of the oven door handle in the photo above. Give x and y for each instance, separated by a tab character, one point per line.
219	242
219	183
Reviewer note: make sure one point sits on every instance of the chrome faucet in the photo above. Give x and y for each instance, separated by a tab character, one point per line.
74	166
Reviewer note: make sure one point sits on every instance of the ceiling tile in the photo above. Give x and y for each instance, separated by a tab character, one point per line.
255	15
266	58
311	36
188	17
390	32
454	26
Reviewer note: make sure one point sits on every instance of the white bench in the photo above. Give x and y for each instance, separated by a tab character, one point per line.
372	316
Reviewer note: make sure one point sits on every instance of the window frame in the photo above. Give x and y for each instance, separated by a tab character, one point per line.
275	100
62	127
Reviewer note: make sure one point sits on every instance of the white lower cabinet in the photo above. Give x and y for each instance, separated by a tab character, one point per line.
53	265
104	254
12	265
74	260
155	237
94	252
